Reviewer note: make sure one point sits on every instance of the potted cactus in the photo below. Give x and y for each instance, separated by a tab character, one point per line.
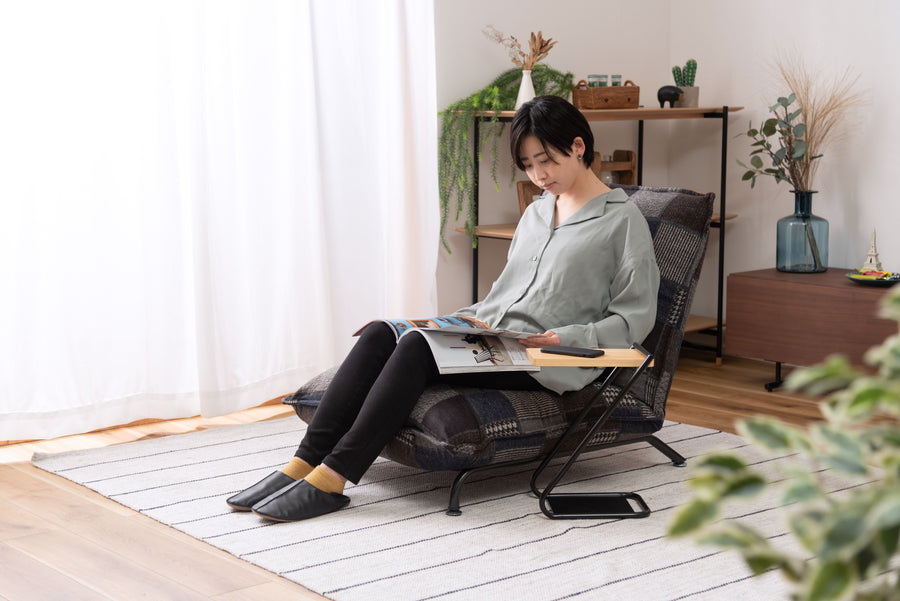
684	79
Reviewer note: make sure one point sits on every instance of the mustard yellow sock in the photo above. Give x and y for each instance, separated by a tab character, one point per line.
324	481
297	468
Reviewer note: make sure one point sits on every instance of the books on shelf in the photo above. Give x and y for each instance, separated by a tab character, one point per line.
463	344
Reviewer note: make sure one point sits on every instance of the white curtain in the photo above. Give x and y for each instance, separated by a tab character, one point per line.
200	202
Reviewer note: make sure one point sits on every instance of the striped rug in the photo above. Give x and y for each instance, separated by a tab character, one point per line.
394	541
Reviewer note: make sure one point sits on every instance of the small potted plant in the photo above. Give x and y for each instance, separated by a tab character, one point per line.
684	79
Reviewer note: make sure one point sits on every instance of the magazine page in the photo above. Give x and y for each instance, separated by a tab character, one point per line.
460	324
461	353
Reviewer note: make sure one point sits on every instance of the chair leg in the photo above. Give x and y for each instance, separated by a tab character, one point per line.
677	459
461	477
453	504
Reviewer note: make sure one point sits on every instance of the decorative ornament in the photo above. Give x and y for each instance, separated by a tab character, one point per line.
873	263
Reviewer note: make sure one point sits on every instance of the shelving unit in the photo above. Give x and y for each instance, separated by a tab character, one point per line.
505	231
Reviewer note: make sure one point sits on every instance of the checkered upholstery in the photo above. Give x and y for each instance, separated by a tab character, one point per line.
456	428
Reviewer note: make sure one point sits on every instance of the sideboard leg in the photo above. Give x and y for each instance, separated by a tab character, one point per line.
778	381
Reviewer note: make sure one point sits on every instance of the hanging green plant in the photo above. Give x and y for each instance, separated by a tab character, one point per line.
456	165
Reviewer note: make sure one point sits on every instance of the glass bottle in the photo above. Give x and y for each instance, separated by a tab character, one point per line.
607	177
802	238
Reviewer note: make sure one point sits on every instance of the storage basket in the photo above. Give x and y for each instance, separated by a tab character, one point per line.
606	97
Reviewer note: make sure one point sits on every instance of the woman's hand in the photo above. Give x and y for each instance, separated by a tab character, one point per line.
548	338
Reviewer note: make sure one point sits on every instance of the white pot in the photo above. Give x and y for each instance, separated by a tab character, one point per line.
691	96
526	89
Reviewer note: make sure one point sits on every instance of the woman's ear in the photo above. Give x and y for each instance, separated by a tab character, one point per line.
578	146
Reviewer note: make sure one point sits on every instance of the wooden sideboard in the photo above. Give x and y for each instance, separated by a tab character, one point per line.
801	318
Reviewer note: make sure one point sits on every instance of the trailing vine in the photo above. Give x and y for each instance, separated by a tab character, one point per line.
456	165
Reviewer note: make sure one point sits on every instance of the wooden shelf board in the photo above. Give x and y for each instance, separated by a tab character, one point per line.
698	323
505	231
638	114
502	231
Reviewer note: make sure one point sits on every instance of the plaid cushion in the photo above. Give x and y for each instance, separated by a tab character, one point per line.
454	428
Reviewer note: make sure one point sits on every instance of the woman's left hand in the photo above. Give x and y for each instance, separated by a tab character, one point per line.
548	338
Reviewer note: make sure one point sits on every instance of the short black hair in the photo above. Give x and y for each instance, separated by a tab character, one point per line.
555	122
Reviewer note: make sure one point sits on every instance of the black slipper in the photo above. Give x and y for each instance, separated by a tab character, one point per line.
299	501
269	485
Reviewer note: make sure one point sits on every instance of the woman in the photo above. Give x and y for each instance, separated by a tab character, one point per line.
580	272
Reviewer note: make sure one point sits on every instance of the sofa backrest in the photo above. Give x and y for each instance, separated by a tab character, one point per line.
679	223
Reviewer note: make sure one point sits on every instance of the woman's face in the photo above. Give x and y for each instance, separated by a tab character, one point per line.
550	169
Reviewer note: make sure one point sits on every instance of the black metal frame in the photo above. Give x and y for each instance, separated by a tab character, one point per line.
720	295
586	504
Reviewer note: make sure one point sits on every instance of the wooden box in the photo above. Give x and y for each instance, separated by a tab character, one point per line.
606	97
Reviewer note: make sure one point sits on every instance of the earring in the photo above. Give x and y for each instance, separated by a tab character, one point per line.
579	157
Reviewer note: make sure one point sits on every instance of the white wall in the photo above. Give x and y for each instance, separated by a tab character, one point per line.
735	44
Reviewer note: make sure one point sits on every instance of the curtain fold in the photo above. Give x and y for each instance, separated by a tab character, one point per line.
200	202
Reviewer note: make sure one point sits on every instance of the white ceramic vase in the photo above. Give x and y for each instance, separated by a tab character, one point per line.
526	89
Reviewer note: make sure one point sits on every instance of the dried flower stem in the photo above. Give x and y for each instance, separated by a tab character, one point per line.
538	47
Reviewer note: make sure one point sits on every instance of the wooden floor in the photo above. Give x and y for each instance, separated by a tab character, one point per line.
61	541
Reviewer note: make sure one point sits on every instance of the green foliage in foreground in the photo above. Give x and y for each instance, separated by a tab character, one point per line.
840	490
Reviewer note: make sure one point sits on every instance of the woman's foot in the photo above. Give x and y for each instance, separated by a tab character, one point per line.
293	471
247	498
299	501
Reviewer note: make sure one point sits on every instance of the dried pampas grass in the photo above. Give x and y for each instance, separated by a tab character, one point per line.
826	103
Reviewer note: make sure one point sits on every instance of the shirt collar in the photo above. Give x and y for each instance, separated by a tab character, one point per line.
596	207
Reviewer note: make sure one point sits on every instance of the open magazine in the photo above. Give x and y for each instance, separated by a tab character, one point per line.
463	344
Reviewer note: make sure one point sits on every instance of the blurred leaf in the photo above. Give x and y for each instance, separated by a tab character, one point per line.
745	486
808	527
885	514
722	461
802	490
846	465
693	515
756	161
833	581
799	129
890	305
733	535
865	560
834	374
767	432
763	559
800	148
844	537
889	540
841	441
770	127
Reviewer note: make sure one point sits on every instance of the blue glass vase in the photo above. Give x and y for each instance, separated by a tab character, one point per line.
802	241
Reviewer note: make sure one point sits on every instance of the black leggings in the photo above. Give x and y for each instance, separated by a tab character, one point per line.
372	394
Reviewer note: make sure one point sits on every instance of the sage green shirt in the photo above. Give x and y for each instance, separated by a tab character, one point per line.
592	280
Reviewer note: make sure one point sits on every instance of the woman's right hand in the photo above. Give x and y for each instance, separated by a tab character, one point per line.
548	338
